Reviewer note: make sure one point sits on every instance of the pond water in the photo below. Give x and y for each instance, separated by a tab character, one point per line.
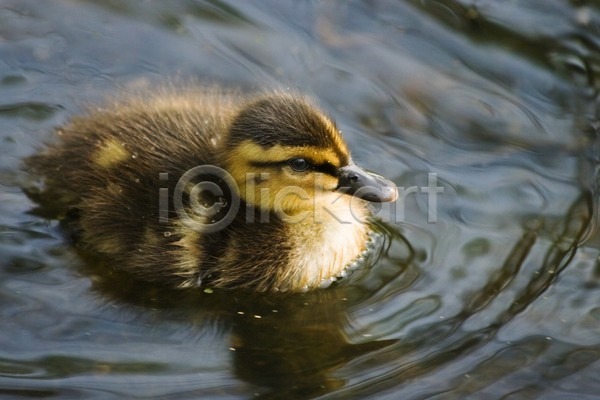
493	292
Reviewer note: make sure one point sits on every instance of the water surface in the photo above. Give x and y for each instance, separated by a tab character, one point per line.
498	298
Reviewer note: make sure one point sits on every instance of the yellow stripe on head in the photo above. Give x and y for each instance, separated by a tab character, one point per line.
251	152
336	136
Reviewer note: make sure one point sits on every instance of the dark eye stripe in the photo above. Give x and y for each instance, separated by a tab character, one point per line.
325	168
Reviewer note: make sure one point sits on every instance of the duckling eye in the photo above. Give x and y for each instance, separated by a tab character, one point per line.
298	164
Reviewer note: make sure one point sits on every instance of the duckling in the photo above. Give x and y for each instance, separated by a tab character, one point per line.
213	188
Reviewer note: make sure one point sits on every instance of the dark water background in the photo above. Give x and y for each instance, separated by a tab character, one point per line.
500	298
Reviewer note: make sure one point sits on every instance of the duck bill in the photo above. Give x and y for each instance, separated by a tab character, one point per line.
365	185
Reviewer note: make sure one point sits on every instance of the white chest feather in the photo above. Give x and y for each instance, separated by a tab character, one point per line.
326	243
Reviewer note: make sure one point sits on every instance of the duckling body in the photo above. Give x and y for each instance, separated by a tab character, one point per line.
277	216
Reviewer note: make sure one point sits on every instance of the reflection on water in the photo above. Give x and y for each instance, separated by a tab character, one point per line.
498	299
290	344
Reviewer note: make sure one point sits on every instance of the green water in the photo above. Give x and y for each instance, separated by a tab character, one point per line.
498	298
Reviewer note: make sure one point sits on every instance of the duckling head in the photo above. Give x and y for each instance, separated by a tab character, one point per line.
287	156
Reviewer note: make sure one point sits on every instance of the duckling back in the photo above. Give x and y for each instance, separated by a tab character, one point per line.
111	164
